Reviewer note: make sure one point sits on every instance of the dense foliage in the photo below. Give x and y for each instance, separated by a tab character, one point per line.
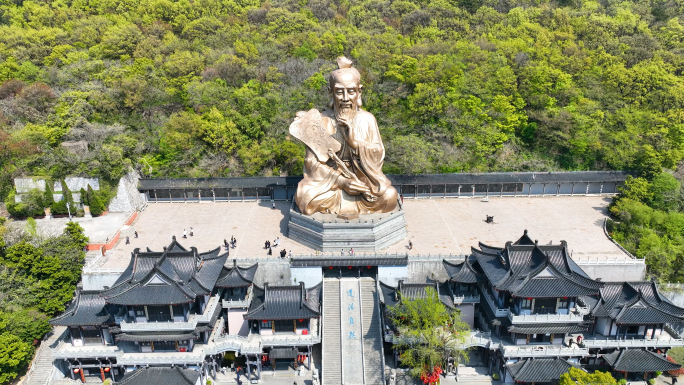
649	223
38	276
576	376
208	88
428	335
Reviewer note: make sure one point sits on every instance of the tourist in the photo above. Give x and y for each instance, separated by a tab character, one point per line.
225	243
270	251
273	205
410	245
342	252
191	232
351	251
185	234
127	240
135	233
290	253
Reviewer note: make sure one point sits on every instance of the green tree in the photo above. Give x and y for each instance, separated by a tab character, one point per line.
429	333
48	198
28	324
15	356
576	376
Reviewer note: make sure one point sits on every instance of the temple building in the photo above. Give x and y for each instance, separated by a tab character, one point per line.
534	313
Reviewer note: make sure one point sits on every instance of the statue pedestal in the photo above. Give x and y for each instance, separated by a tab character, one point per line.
330	233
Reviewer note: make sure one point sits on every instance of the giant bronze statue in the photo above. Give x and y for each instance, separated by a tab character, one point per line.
344	153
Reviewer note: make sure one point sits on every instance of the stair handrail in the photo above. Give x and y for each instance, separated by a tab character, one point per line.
341	336
382	331
321	328
363	364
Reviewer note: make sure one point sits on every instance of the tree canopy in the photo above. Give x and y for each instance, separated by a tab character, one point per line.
429	334
177	88
576	376
649	222
38	276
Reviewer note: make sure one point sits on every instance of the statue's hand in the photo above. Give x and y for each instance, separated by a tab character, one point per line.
349	135
352	186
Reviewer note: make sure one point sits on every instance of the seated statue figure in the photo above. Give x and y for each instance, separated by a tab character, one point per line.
344	154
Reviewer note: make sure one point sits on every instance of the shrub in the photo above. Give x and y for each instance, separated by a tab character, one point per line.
48	198
651	381
31	204
495	376
658	373
622	381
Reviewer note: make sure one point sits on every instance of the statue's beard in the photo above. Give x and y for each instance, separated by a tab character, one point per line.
346	113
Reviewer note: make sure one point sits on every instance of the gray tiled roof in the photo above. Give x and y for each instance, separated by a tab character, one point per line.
547	328
283	353
156	336
532	270
161	376
350	261
637	360
237	276
539	369
173	276
449	178
468	271
284	302
86	309
412	291
634	303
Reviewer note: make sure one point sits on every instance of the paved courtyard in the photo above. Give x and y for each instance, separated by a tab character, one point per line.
97	229
435	226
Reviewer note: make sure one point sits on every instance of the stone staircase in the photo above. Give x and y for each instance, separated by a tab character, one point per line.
373	362
42	366
331	352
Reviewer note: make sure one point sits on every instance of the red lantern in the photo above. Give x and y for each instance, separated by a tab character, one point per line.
301	320
368	266
565	297
106	370
77	370
529	298
349	267
330	267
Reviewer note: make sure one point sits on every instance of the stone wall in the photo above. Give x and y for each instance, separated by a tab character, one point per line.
74	183
128	198
615	270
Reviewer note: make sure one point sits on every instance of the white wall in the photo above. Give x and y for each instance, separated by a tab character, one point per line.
467	313
391	275
237	325
311	276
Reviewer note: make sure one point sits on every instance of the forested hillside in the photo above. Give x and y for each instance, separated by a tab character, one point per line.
209	87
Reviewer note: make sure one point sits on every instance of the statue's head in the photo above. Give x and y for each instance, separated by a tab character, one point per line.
344	86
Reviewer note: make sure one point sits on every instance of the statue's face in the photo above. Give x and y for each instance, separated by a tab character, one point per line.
346	93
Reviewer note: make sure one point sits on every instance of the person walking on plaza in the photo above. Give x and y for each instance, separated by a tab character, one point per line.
135	233
185	234
273	205
128	241
191	232
270	251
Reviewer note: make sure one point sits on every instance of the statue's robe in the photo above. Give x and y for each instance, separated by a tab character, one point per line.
319	191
